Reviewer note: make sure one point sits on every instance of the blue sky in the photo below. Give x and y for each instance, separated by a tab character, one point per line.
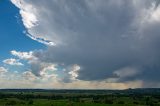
11	31
92	44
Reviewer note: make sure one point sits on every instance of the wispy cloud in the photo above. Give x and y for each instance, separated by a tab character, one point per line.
3	70
12	61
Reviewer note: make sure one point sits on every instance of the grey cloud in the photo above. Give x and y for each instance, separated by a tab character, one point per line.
101	36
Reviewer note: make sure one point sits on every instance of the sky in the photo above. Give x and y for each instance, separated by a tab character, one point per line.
79	44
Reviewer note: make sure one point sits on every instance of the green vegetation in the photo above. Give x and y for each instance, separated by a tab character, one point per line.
29	97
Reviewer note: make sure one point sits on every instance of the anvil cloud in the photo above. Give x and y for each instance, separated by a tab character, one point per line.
108	40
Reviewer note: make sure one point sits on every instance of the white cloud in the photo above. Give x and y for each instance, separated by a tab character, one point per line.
155	15
38	68
41	40
3	70
26	10
74	72
23	55
126	72
12	61
29	19
28	75
29	80
48	70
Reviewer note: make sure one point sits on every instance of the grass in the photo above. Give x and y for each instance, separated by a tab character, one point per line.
45	102
78	98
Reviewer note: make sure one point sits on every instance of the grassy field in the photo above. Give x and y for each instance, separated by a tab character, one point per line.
44	102
78	98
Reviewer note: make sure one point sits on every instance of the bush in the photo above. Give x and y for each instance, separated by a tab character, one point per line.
30	102
12	102
108	101
121	102
135	103
22	102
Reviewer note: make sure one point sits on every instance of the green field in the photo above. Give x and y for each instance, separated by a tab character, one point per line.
45	102
79	98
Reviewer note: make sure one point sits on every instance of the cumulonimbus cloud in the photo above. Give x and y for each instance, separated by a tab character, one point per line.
100	36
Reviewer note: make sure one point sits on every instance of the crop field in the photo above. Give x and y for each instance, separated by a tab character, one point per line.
29	97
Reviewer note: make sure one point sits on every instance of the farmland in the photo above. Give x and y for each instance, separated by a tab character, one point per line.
41	97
